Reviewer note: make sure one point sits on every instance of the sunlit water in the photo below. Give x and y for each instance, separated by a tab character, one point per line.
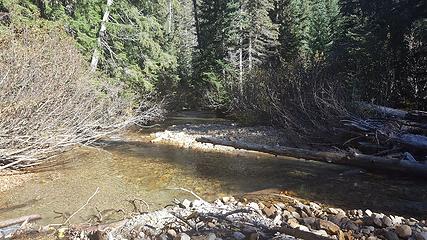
124	170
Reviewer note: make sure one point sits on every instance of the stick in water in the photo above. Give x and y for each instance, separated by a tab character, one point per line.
81	208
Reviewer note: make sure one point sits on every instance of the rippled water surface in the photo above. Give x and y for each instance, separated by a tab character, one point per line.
125	170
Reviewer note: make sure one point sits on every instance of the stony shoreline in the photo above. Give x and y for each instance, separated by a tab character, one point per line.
288	219
185	135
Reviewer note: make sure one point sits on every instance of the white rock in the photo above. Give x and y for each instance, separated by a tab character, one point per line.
315	206
303	228
186	203
368	212
197	203
183	236
253	205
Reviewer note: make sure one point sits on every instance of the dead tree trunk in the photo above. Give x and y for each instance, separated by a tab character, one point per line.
20	220
96	51
341	158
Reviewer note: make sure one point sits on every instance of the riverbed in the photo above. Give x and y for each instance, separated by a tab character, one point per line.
131	166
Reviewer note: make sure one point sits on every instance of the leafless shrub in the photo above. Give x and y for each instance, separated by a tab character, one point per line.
50	101
303	100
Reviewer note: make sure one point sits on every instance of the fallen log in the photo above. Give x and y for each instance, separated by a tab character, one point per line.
387	112
342	158
11	222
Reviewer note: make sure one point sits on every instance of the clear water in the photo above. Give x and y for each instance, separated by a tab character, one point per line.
125	170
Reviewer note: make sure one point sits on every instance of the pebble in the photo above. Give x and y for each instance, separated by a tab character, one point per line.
186	203
404	231
219	203
171	233
225	199
269	211
368	212
286	214
254	206
197	203
183	236
239	235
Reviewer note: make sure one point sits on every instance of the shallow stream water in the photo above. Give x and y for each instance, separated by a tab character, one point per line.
126	169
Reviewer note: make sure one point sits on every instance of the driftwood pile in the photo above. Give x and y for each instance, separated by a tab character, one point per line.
392	141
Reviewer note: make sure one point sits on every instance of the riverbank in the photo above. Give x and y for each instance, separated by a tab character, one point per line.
252	217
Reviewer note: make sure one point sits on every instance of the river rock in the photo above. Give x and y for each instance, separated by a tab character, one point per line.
296	215
387	221
330	227
269	211
254	236
197	203
172	233
253	205
368	212
404	231
286	214
211	236
314	205
183	236
309	221
421	236
320	232
160	237
225	199
377	220
293	223
186	203
390	235
239	236
336	218
350	225
280	205
303	228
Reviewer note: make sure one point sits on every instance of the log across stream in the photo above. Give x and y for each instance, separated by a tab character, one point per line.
131	167
411	168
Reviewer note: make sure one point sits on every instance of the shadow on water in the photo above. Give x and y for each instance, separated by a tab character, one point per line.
125	170
331	184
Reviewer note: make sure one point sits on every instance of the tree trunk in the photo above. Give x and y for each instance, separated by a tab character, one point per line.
196	22
358	160
20	220
170	16
250	51
241	53
96	51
